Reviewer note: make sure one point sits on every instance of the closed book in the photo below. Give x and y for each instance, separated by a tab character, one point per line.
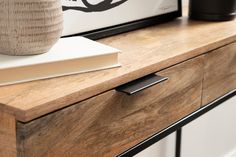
68	56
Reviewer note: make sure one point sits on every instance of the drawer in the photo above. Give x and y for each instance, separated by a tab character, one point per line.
219	73
110	123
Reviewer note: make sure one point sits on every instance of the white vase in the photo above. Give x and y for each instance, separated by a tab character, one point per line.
29	27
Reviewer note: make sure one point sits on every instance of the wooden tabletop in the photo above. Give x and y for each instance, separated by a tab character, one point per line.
144	51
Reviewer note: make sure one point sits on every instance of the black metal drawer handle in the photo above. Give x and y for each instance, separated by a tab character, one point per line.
141	84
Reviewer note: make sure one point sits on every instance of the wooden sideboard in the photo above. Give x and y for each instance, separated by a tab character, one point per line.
83	115
219	72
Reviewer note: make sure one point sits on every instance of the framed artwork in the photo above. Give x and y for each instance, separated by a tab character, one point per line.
101	18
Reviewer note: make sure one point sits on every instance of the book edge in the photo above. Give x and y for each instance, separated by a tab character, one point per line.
61	75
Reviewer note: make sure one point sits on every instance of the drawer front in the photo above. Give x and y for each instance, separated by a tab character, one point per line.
110	123
219	73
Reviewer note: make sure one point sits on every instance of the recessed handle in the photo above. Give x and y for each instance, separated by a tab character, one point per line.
141	84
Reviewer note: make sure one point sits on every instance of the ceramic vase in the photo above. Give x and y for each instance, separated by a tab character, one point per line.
29	27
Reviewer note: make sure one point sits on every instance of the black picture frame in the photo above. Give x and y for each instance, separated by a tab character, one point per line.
130	26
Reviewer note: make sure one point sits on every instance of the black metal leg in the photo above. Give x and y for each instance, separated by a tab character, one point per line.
178	142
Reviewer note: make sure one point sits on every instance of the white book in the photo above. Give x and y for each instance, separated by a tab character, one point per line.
68	56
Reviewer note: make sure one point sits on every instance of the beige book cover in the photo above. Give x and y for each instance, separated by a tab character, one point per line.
71	55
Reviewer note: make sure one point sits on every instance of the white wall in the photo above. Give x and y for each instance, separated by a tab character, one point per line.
212	135
164	148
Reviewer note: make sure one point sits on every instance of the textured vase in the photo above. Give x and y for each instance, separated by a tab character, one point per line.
29	27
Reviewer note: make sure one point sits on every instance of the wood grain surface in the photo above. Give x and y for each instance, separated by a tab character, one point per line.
144	51
110	123
7	135
219	73
29	27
